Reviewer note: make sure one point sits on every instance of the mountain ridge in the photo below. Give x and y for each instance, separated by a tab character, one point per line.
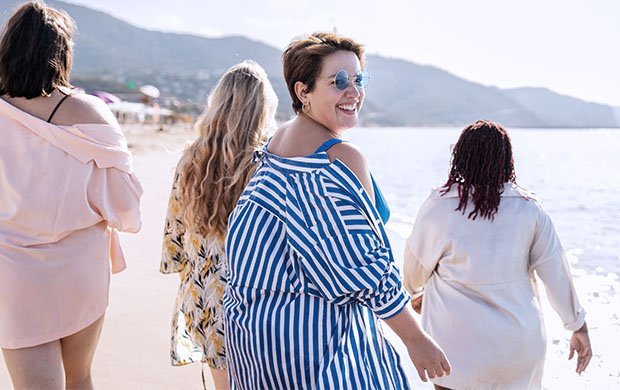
401	92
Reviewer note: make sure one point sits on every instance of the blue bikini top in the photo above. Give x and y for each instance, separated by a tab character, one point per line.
380	201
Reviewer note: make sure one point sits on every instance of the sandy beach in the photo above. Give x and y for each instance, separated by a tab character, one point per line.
133	352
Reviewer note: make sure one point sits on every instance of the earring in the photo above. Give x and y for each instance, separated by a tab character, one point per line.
306	108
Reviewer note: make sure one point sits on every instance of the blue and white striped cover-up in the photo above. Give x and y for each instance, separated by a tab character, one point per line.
310	270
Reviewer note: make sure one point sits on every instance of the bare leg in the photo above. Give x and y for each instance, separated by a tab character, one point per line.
78	351
220	379
38	367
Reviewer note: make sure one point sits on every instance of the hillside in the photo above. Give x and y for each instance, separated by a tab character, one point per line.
112	52
557	110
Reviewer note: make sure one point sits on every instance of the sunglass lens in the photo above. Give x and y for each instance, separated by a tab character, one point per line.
341	80
361	79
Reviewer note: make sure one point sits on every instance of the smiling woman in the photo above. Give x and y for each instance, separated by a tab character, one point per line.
335	108
306	290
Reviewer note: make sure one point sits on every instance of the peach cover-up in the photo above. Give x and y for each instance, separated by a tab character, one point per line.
64	191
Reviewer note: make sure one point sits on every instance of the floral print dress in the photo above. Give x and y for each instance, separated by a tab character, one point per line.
198	318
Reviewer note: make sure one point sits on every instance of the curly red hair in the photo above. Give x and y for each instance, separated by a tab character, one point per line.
481	163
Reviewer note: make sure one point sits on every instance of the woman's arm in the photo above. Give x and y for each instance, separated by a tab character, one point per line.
352	263
548	259
115	195
580	343
354	159
415	274
423	249
343	258
414	278
427	357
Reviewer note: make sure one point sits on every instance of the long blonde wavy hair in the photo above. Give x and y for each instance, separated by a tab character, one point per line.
238	118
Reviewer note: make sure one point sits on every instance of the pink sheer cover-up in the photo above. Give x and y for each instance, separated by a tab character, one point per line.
64	193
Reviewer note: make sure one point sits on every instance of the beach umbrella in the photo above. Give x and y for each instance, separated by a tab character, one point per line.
150	91
106	97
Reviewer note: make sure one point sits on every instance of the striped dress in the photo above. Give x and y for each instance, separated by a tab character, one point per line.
310	273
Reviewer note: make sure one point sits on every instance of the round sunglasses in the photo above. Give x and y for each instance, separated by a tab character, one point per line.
342	78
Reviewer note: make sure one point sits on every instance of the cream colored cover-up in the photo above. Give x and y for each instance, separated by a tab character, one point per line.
479	303
64	191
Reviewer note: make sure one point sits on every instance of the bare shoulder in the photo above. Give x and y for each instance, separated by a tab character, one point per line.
350	154
82	108
277	135
352	157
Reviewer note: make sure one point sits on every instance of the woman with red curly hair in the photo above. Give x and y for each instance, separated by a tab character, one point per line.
475	246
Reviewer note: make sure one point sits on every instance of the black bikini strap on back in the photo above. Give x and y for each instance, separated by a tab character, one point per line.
56	108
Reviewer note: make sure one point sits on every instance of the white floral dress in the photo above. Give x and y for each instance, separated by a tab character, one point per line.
198	318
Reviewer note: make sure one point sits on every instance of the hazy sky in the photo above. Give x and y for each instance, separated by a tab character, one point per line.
570	46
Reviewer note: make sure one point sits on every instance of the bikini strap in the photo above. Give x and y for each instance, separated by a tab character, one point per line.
328	144
56	108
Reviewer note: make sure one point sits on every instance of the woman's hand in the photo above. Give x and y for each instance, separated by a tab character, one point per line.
580	343
416	304
428	357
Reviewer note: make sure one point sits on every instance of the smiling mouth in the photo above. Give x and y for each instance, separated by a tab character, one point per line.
347	107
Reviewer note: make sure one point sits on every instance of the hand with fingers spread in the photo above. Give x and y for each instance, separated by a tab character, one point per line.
580	343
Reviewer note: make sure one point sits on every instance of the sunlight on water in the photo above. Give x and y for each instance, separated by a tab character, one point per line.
574	173
570	171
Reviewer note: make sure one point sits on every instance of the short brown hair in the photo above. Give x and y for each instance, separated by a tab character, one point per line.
302	59
36	51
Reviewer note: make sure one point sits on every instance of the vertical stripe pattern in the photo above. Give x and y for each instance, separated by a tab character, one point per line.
310	272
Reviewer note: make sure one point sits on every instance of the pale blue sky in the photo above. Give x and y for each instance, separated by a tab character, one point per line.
570	46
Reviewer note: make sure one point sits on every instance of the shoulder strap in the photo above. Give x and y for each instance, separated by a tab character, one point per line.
56	108
380	202
328	144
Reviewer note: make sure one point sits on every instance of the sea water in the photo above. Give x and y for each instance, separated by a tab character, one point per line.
575	173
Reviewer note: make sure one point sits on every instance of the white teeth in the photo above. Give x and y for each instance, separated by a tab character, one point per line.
347	107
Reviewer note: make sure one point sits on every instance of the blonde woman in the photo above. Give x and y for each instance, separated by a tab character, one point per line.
210	177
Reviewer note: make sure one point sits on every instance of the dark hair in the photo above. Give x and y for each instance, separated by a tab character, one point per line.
481	163
36	51
302	59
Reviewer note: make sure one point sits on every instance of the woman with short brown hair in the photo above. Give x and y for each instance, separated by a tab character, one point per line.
311	272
